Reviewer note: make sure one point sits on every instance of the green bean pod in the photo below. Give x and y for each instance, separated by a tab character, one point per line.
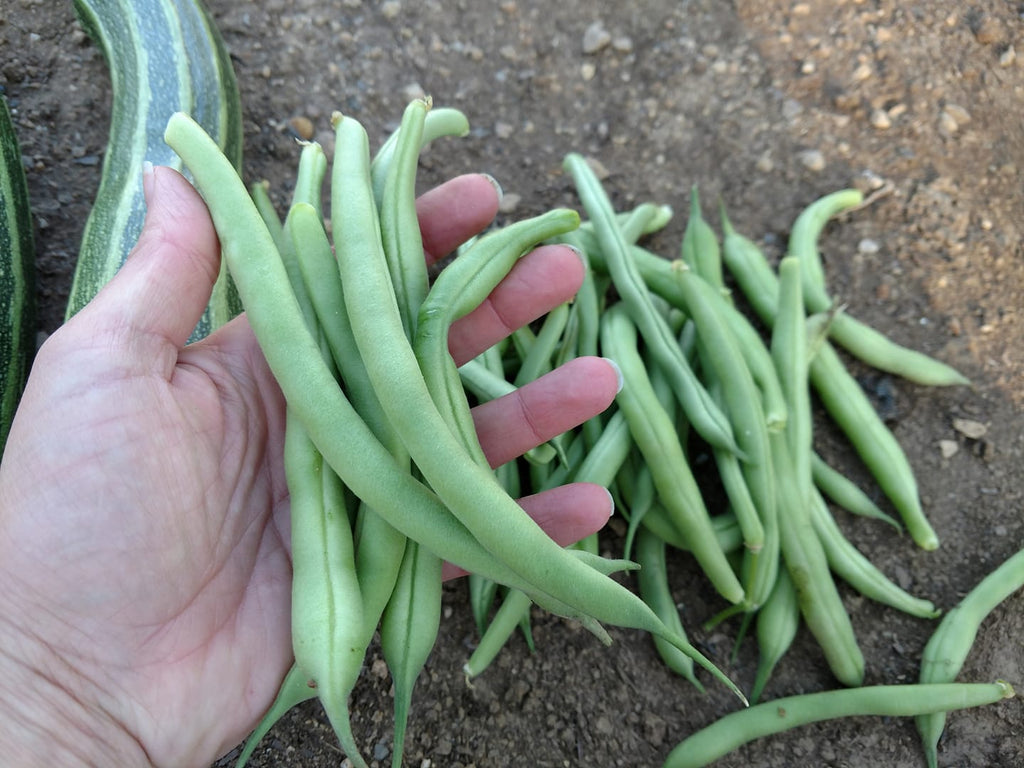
726	528
509	615
771	717
847	562
294	690
399	225
845	493
326	602
820	602
700	409
408	631
778	621
653	585
655	435
439	122
840	393
700	249
947	649
721	356
803	243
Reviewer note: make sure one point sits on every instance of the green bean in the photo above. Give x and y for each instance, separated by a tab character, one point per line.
877	447
839	392
508	616
789	351
652	583
656	437
847	562
700	249
947	649
260	192
294	690
879	351
820	602
538	360
608	454
408	631
399	225
859	339
456	291
778	621
566	585
439	121
700	409
845	493
310	177
721	356
326	602
727	530
771	717
803	243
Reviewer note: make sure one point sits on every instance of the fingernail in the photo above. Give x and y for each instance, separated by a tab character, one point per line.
147	178
579	253
611	503
618	373
494	183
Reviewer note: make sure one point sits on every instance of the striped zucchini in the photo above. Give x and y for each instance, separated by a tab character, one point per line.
17	275
164	56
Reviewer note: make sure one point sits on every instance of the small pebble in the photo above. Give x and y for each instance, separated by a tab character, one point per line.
948	123
880	119
861	73
948	448
509	202
970	428
958	113
623	44
1008	57
987	30
868	246
595	38
812	159
390	9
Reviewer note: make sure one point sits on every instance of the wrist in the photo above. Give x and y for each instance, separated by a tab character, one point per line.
50	712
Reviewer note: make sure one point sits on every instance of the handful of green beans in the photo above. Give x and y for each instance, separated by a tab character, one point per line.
386	477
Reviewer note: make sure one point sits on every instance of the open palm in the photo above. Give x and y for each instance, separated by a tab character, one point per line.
144	559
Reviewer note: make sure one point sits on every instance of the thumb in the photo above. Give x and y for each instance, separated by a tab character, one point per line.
160	292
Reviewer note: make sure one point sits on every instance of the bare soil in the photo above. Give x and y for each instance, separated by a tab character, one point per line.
767	105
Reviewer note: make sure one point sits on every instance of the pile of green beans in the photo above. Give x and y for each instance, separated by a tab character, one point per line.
386	476
701	375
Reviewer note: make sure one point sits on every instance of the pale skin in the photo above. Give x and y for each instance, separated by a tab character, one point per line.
144	556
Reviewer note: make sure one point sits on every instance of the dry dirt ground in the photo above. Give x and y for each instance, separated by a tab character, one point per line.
767	104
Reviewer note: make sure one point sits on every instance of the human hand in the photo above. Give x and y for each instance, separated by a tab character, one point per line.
144	560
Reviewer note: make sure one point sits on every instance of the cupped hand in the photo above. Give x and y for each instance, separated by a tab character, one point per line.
144	562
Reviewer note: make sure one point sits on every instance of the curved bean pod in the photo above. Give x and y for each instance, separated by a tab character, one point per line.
656	437
778	621
947	649
700	409
652	582
771	717
847	562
